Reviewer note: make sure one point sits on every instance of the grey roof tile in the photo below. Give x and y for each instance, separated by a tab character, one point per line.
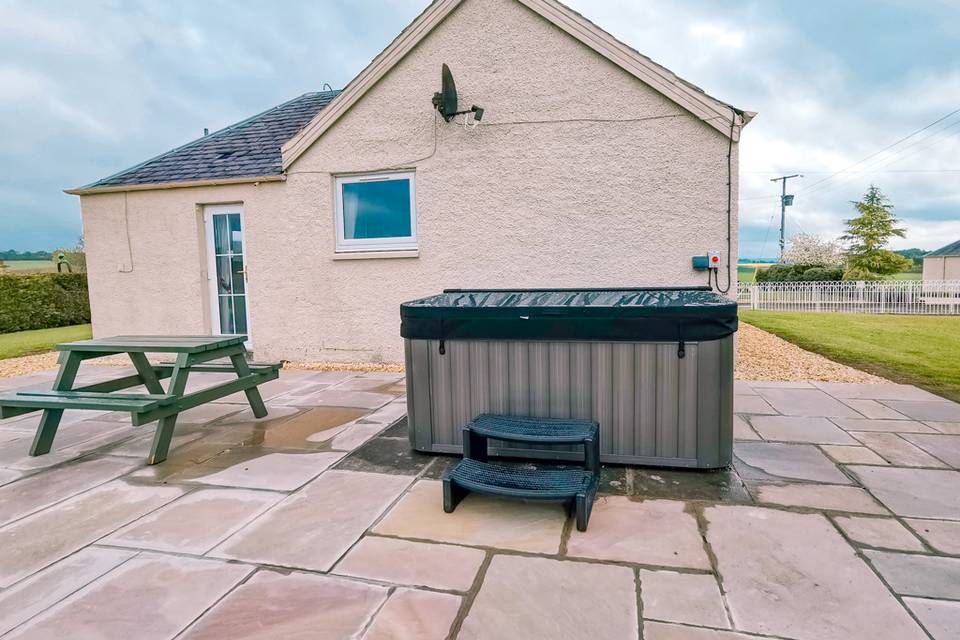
952	249
248	149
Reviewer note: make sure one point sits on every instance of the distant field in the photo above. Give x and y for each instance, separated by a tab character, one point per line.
28	265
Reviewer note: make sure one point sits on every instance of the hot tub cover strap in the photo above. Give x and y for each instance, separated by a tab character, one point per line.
692	314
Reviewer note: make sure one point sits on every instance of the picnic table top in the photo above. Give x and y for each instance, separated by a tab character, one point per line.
153	344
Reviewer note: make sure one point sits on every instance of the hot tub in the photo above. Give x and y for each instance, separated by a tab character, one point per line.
654	367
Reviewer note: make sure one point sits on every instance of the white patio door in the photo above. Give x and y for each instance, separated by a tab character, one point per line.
227	269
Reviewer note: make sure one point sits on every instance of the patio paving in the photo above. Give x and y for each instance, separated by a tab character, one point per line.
840	519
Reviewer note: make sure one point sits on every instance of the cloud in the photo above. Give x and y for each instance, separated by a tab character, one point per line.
89	88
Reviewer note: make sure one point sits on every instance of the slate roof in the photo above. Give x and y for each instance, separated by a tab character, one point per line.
952	249
247	149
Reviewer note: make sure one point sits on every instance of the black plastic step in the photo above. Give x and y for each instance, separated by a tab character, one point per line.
521	482
534	430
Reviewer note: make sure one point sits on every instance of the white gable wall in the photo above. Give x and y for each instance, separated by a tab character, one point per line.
528	204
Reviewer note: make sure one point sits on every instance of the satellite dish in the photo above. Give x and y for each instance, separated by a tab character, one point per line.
445	100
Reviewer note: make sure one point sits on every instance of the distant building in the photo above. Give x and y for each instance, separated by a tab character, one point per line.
943	264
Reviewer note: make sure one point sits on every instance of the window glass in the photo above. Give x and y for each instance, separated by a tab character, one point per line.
376	212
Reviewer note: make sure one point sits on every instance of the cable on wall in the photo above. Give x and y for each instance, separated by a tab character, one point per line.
724	290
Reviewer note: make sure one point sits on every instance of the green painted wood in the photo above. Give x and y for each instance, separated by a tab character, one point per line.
226	367
253	394
54	404
164	433
203	396
50	421
152	344
125	382
162	398
146	372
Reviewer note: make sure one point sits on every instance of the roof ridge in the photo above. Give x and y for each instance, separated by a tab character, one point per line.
210	136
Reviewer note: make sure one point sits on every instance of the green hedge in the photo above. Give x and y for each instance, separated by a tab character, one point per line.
43	300
799	273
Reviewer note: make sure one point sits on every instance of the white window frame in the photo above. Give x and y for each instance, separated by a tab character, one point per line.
347	245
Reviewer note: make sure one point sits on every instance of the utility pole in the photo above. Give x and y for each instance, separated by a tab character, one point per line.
785	201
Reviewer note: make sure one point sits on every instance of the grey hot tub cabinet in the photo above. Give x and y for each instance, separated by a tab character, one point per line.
654	367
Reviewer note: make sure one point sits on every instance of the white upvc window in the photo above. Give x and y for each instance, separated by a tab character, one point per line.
376	212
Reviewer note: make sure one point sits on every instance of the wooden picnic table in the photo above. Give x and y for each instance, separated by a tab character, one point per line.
193	354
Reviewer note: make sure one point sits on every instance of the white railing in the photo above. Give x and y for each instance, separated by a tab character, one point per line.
933	297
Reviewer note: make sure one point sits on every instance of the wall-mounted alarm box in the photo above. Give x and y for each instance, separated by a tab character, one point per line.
708	261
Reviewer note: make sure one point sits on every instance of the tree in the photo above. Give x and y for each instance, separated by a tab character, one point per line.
807	248
867	236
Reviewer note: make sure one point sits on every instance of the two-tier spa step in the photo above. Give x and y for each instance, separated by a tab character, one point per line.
475	473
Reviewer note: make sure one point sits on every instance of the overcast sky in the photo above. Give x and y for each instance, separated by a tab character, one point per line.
89	88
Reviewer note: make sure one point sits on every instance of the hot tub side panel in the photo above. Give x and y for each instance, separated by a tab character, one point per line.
653	407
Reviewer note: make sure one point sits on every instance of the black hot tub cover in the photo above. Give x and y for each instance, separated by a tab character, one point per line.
634	315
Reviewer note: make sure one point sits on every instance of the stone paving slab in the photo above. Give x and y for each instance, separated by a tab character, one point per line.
792	461
45	537
40	491
667	631
806	402
479	520
652	532
886	391
872	409
145	598
800	429
742	430
818	496
917	493
438	566
793	575
553	600
950	428
883	533
314	527
852	455
274	471
692	598
48	587
292	606
415	615
195	523
941	619
752	404
896	450
942	535
944	447
941	410
911	574
890	426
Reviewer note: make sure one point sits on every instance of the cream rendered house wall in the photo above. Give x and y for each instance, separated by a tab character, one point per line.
545	192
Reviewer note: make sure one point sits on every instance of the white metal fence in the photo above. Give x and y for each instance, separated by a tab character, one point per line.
933	297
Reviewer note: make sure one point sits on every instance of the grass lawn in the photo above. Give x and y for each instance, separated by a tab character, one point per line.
24	343
919	350
29	265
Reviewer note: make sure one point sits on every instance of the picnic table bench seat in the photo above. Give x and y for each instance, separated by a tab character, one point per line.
194	354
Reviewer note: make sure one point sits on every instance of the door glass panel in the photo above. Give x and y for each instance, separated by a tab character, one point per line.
236	234
236	269
230	272
240	314
224	279
227	324
221	234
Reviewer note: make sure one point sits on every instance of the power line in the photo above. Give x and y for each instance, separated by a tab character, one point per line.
889	146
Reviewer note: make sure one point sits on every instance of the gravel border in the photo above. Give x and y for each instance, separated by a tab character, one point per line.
760	356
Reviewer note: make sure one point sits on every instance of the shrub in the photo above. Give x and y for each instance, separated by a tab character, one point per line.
799	273
43	300
857	273
822	274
